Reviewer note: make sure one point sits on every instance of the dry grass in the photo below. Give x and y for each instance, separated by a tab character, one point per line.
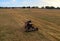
12	24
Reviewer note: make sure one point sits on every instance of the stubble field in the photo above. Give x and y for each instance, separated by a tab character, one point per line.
12	24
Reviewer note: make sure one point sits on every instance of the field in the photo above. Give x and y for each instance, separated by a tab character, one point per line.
12	24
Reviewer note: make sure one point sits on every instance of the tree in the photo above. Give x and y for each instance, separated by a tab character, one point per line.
28	7
23	7
58	8
50	7
1	7
42	7
35	7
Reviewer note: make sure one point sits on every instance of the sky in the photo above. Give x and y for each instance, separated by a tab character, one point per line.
20	3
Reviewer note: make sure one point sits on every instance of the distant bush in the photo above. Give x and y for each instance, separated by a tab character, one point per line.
42	7
28	7
48	7
31	7
58	8
23	7
35	7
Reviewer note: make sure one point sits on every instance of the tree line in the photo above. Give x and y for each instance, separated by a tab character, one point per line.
46	7
50	7
19	7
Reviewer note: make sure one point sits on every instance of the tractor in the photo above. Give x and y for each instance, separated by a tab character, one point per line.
29	27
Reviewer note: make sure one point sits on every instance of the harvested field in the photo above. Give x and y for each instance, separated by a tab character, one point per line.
12	24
